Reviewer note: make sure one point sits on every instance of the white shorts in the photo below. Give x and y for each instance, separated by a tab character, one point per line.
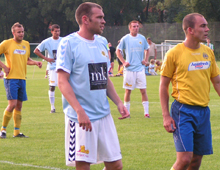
134	80
99	145
48	67
52	78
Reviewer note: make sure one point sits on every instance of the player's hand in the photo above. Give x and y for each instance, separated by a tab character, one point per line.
123	111
144	62
6	70
169	124
126	64
50	60
39	64
84	121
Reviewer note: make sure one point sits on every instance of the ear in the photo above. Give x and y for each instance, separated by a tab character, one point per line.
190	30
85	19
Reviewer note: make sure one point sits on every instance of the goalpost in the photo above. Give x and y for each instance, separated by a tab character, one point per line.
168	44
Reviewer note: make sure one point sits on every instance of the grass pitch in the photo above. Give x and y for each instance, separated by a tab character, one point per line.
145	144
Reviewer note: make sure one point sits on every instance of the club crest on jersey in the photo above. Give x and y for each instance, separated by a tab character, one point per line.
23	47
205	56
199	65
140	42
103	53
17	51
83	150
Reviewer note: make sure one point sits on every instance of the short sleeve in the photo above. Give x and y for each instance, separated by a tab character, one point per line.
64	56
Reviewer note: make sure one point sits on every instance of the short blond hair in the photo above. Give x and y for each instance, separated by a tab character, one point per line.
133	21
17	24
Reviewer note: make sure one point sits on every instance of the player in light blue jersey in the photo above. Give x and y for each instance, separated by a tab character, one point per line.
137	53
82	67
50	44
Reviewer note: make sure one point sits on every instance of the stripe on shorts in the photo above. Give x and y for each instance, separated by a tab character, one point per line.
72	144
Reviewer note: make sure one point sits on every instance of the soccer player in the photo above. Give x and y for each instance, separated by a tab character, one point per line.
137	53
112	54
50	44
210	45
17	56
189	66
90	133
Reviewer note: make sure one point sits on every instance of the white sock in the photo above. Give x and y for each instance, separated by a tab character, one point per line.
127	105
146	107
52	98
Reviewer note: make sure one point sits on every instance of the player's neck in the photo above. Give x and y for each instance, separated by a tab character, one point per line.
17	41
193	44
86	34
55	38
133	35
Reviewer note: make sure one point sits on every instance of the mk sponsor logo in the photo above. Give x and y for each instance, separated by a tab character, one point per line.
98	75
200	65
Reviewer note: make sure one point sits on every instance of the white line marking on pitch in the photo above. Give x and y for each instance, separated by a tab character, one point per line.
35	166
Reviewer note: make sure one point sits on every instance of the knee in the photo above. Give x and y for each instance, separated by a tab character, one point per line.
11	107
52	88
143	91
196	162
185	162
114	165
117	167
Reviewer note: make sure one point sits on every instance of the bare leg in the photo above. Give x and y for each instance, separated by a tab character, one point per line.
80	165
116	165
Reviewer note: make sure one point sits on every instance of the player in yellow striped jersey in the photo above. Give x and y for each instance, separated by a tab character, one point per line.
17	56
189	66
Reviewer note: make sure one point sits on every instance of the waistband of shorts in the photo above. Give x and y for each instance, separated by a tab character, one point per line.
189	106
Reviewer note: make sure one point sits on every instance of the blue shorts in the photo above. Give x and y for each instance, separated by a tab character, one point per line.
15	89
193	128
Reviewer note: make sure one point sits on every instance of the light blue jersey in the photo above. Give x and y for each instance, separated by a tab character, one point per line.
86	61
134	50
104	41
51	46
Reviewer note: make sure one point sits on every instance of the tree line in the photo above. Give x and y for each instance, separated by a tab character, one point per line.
38	15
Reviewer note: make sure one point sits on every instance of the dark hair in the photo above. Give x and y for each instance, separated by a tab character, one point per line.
85	9
55	26
189	21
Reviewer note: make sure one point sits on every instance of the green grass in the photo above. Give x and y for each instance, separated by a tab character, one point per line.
145	144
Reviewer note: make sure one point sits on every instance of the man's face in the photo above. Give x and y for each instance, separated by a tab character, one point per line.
55	33
149	41
18	33
96	21
200	30
134	29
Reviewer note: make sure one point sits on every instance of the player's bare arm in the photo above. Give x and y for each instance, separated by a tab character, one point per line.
111	93
168	121
120	57
68	93
6	69
33	62
146	56
39	54
216	83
